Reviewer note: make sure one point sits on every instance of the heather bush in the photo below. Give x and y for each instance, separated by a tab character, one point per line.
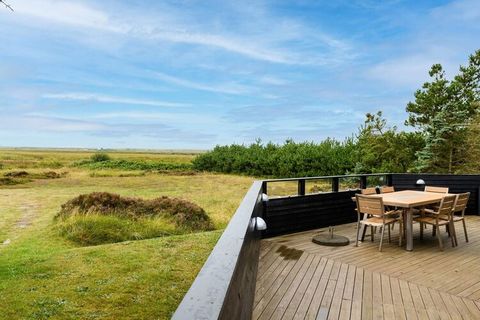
123	218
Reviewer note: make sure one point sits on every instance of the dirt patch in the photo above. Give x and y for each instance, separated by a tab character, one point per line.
28	214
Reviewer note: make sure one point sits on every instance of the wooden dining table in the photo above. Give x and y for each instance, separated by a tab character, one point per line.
408	200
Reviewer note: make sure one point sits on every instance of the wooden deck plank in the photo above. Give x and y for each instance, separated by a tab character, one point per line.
388	308
346	306
334	309
315	289
276	311
317	262
356	312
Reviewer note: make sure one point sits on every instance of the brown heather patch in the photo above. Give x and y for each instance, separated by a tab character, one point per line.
186	215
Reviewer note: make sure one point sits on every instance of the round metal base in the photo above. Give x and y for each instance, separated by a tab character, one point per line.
332	241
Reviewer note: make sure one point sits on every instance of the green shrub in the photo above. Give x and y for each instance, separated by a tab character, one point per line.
329	157
100	157
121	164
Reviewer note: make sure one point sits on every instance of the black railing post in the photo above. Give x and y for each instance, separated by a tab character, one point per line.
335	184
389	178
264	187
301	187
478	201
363	182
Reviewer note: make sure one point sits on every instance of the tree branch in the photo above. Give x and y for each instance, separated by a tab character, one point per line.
6	5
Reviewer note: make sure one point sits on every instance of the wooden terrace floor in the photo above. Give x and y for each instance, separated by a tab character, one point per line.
298	279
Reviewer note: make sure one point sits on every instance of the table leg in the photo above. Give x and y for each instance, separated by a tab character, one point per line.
409	228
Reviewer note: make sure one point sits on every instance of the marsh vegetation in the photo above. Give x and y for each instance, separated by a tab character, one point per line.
72	267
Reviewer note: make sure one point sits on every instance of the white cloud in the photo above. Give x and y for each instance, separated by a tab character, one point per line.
110	99
67	12
229	88
444	36
171	118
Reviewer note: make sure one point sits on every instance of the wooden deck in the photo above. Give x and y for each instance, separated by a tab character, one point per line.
298	279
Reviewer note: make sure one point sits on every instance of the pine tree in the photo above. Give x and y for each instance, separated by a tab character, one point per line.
442	111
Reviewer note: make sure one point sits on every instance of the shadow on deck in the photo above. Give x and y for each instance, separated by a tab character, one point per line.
298	279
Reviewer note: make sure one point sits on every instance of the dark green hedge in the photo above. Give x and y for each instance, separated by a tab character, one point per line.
329	157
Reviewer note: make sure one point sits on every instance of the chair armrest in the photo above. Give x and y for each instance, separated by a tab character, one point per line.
392	212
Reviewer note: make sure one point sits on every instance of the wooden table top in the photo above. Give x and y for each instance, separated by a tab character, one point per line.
410	198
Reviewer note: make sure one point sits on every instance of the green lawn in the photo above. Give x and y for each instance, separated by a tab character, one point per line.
44	276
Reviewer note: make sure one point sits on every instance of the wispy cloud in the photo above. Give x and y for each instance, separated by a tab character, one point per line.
229	88
68	13
110	99
172	118
264	44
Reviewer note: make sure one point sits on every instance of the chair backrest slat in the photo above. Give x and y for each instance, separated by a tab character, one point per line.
387	189
461	203
370	205
372	190
436	189
446	206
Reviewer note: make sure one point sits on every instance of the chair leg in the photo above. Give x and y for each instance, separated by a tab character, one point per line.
381	239
440	243
389	238
358	233
400	225
364	232
452	233
372	232
421	230
434	231
465	229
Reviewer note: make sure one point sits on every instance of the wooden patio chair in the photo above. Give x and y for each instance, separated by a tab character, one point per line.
441	217
387	189
376	217
369	191
459	207
436	189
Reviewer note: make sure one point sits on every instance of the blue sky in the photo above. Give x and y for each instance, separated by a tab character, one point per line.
193	74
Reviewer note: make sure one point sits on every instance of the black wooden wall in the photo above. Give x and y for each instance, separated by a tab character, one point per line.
456	184
299	213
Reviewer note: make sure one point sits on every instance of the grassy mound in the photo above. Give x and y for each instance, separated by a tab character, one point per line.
102	217
22	176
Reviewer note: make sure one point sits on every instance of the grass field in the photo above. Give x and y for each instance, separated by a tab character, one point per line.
44	276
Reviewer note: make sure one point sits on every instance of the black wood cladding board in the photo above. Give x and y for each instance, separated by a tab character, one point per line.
293	214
